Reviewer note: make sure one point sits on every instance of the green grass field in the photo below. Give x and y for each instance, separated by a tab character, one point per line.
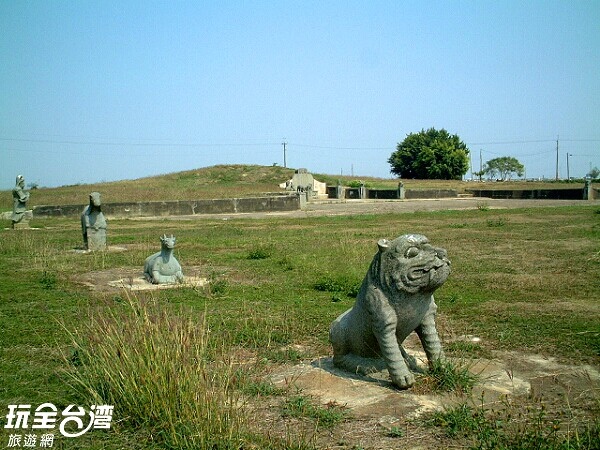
522	280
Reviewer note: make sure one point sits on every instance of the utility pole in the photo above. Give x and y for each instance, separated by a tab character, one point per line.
480	164
556	158
471	164
568	174
284	160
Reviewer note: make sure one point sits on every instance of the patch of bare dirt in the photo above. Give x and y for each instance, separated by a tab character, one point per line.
380	416
116	279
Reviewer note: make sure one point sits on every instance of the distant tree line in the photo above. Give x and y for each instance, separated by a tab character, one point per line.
439	155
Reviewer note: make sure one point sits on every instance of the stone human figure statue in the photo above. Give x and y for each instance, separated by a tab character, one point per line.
20	218
93	224
395	299
162	267
401	191
588	190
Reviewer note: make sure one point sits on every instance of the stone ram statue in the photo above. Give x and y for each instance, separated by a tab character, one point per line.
395	299
163	267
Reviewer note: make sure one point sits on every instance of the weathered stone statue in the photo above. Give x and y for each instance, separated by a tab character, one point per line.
93	224
20	216
395	299
163	267
339	190
588	190
401	191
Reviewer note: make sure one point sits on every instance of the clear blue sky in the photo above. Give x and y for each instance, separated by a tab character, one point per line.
108	90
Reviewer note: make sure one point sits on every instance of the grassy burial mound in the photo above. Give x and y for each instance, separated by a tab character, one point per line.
229	181
234	181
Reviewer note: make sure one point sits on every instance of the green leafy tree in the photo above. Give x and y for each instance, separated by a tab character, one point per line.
431	154
479	174
594	173
503	168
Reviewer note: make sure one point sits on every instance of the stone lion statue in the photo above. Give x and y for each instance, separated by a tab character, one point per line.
395	299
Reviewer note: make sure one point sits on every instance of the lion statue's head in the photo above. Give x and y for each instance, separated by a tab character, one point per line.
410	264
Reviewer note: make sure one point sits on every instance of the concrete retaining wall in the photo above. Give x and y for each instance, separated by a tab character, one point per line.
534	194
383	194
392	194
179	208
430	193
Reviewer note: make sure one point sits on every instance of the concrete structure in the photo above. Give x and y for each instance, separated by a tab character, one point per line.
181	208
540	194
400	193
303	181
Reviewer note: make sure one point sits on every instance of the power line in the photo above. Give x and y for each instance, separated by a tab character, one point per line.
341	148
108	142
88	152
81	140
510	142
137	144
533	141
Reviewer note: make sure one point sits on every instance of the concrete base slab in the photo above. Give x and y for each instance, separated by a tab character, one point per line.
109	249
375	395
141	284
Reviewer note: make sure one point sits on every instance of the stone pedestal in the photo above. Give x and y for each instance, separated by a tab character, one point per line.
23	224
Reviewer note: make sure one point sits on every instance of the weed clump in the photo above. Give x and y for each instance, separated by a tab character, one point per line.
260	252
162	372
395	432
340	284
302	406
48	280
262	389
496	223
446	376
530	429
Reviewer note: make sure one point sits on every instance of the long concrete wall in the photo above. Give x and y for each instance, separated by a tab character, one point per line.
430	193
179	208
390	194
553	194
